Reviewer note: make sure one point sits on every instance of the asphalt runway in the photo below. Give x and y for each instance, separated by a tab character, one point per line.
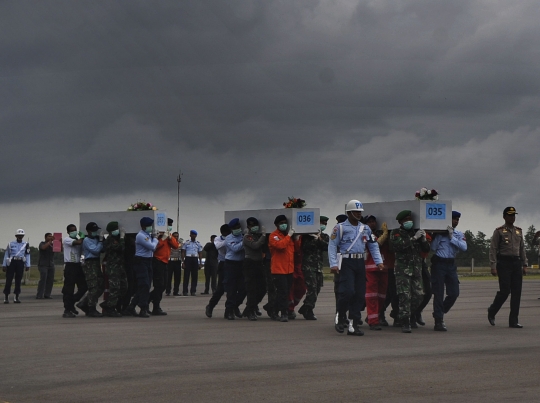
186	357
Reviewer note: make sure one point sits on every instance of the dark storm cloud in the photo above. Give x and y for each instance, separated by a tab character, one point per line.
274	96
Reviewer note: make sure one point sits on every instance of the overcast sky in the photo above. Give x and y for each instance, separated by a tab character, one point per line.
103	102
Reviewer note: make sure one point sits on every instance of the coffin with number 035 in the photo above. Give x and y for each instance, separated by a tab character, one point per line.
129	220
429	215
303	220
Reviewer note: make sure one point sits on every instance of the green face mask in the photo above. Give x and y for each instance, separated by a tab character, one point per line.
95	233
323	227
148	230
116	232
408	224
283	227
73	234
254	229
237	232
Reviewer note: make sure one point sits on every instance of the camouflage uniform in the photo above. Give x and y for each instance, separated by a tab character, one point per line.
114	270
312	266
94	280
408	270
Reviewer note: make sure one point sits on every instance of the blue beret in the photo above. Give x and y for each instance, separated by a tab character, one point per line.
146	221
192	231
234	222
456	214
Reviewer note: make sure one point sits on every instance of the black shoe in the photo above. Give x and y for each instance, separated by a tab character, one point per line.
82	307
237	313
193	294
129	311
16	299
251	316
111	313
6	299
68	314
273	315
309	315
208	311
185	294
175	294
382	321
439	325
291	315
49	297
284	318
413	322
93	313
230	315
158	312
420	320
204	293
143	313
354	328
516	326
375	327
258	311
491	319
406	327
339	325
74	311
39	297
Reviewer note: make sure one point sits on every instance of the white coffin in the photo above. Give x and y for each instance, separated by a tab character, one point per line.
129	220
427	214
303	220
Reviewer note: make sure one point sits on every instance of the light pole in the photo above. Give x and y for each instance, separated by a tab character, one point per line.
178	179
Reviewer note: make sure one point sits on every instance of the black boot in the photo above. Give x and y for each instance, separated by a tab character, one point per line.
413	322
406	326
16	299
382	320
251	316
143	313
157	311
129	311
419	319
6	299
309	315
111	312
93	313
397	323
230	314
356	331
237	313
208	311
258	311
439	325
340	324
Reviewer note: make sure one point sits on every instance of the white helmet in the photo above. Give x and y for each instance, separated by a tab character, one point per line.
19	232
354	205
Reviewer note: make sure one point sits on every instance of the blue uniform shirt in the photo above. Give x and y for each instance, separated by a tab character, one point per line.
235	247
145	245
192	248
221	247
17	250
448	248
91	248
344	240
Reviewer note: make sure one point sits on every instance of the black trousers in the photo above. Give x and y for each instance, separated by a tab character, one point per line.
270	287
124	301
15	269
159	271
234	283
255	283
210	275
143	273
191	270
220	288
283	284
391	295
510	273
73	276
352	288
426	282
174	269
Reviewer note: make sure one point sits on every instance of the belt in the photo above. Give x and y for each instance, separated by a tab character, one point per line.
16	258
508	258
192	257
174	259
352	255
443	259
91	258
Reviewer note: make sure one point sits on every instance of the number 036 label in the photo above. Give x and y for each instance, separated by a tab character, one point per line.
306	218
435	211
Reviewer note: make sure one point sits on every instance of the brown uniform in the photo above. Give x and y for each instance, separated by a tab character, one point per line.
507	255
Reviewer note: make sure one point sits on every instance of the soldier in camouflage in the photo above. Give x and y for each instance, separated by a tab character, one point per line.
313	246
114	269
407	244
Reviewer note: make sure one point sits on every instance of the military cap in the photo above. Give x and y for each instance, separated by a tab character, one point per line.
456	214
369	217
146	221
510	211
280	218
169	221
402	214
192	231
324	218
112	226
252	220
92	226
234	222
341	218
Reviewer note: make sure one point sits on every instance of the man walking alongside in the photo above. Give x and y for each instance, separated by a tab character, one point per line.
16	262
46	267
221	247
73	272
92	247
509	262
210	266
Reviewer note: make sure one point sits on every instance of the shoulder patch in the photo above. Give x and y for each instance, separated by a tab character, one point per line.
519	228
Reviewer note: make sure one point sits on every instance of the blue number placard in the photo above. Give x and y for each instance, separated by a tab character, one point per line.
161	220
305	218
435	211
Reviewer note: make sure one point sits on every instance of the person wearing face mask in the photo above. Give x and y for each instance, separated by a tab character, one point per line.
114	269
210	266
234	278
92	247
159	267
174	268
352	237
313	246
282	247
145	245
253	270
408	244
16	261
73	272
191	262
221	247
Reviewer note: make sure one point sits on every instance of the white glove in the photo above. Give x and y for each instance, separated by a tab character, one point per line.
450	231
122	233
263	231
419	234
164	236
101	233
291	232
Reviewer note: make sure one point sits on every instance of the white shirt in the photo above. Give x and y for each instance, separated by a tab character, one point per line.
72	253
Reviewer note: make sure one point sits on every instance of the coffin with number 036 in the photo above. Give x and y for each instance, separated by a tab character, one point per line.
303	220
129	220
429	215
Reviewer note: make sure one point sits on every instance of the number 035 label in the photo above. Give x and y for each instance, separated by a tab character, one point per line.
306	218
435	211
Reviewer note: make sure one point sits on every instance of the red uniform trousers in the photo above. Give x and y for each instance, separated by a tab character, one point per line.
376	285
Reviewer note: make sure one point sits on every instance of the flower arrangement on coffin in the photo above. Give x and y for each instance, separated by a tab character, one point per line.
141	206
294	202
426	194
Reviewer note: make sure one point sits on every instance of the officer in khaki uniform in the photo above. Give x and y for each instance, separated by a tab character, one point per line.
509	262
